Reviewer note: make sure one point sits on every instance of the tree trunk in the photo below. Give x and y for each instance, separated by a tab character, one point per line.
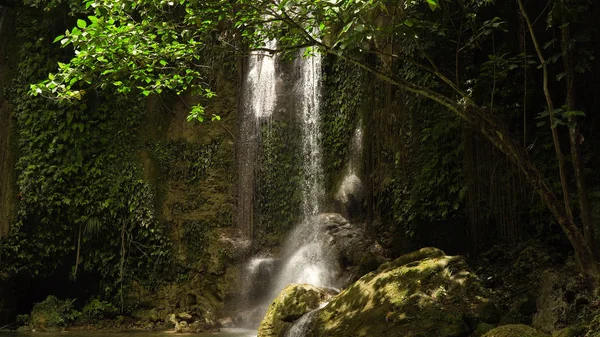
576	139
550	106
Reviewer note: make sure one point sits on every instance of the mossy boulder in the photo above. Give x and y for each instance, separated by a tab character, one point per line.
515	330
570	331
423	293
291	304
482	329
593	328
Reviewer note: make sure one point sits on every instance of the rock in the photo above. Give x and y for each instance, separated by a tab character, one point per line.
349	196
570	331
235	243
184	316
482	329
423	293
184	323
559	299
226	322
189	300
181	326
488	312
291	304
25	328
515	330
594	327
355	251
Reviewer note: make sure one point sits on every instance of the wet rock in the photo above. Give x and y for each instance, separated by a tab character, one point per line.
291	304
355	251
186	323
226	322
423	293
349	196
235	243
515	330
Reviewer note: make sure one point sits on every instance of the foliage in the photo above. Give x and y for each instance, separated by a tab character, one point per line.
466	56
97	309
279	174
430	186
181	160
53	312
155	50
77	190
341	113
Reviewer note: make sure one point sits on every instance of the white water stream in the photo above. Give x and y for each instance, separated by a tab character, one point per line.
305	257
260	97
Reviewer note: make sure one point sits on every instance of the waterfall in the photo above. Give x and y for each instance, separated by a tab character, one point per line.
302	325
309	93
259	97
261	81
306	258
356	151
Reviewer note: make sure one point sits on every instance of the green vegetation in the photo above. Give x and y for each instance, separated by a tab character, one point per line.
279	174
478	130
53	313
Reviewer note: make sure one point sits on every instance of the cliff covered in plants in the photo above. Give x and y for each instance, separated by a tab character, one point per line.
124	138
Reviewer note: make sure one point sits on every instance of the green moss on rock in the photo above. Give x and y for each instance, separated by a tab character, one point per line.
482	329
423	293
515	330
292	303
571	331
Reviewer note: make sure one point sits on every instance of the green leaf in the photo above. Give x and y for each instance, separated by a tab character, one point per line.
58	38
432	4
81	23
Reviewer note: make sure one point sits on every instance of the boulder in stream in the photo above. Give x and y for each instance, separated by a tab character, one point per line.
423	293
292	303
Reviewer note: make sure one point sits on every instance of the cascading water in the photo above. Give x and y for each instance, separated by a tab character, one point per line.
309	92
260	97
261	81
306	257
302	325
356	150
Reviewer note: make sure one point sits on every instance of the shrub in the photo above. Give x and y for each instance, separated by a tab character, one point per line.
53	312
96	309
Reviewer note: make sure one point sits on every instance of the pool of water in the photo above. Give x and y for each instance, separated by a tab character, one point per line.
222	333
